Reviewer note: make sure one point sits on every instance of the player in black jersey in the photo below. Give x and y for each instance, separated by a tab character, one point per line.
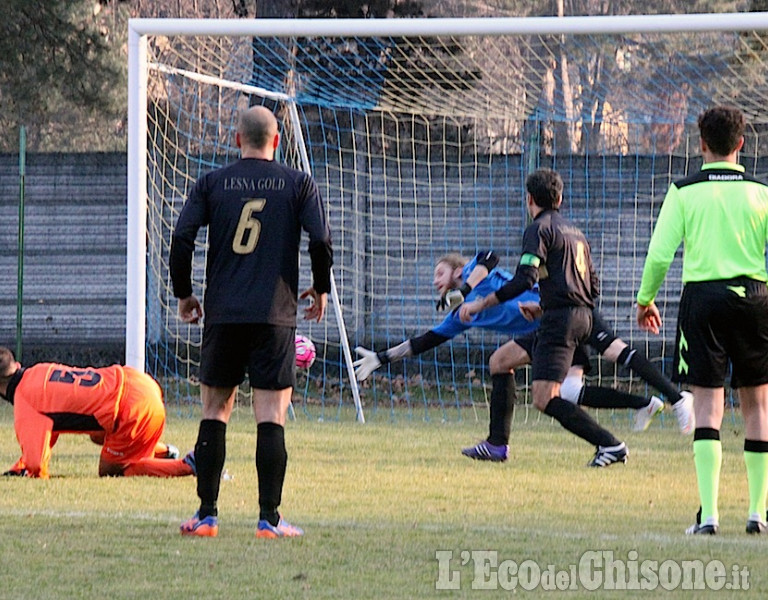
255	209
557	256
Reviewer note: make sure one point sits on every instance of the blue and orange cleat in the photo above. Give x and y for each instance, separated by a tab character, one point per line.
190	460
207	527
283	529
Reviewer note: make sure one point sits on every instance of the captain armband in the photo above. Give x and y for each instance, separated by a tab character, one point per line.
530	260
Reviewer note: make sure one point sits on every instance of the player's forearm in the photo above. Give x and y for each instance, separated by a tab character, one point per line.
180	266
395	353
411	347
425	342
486	261
666	238
654	272
476	276
525	278
321	256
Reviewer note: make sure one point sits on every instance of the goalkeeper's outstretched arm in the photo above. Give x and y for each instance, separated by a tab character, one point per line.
370	360
485	262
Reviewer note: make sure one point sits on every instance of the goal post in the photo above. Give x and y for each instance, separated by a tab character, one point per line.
420	133
137	209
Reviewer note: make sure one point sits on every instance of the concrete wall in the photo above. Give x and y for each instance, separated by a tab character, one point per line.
74	258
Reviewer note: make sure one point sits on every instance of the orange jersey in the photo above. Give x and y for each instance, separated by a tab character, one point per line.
53	398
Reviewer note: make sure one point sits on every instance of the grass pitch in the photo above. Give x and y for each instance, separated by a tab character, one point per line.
377	501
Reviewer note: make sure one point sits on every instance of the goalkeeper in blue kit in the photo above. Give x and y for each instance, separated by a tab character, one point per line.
457	278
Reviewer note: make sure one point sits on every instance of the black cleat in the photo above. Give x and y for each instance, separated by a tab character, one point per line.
755	526
709	528
607	455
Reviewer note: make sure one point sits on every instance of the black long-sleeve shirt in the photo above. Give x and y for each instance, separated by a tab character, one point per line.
255	210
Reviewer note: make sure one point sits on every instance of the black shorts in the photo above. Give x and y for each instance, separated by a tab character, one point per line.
561	331
267	352
580	355
720	321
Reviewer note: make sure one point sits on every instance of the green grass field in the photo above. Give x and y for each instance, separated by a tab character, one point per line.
377	502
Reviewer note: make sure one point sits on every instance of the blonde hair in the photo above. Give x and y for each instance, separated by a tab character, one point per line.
453	260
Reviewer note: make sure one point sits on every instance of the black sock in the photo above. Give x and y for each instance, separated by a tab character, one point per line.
579	422
648	373
271	462
755	446
210	453
706	433
600	397
503	397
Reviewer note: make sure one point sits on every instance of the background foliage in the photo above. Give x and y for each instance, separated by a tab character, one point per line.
63	63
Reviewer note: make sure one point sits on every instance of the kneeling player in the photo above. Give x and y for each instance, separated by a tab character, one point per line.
119	407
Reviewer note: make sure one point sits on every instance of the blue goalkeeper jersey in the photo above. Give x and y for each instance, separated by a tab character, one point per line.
504	318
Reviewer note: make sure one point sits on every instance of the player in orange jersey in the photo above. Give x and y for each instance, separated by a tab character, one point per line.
119	407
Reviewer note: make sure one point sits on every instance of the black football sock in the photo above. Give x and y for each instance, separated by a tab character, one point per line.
271	462
600	397
648	373
503	395
210	453
579	422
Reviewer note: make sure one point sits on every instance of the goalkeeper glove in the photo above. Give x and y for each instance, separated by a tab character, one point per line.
369	362
454	298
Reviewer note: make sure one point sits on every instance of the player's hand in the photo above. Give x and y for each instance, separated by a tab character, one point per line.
190	310
367	364
15	473
530	310
649	318
469	309
317	305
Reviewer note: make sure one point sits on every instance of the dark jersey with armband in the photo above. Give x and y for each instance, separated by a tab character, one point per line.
256	210
556	254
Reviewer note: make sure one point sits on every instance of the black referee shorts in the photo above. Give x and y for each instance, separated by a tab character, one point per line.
720	321
266	352
561	331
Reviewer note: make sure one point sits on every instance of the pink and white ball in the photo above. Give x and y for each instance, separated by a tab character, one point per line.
305	352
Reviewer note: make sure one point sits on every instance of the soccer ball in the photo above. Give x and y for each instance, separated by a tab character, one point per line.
305	352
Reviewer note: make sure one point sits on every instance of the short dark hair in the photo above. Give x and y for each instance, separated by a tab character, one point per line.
546	188
7	364
721	127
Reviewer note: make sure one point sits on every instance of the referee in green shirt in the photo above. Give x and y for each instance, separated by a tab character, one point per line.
721	216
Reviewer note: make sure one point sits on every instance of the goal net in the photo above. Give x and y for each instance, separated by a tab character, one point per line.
420	134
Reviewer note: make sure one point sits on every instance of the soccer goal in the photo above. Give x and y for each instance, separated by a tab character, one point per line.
420	133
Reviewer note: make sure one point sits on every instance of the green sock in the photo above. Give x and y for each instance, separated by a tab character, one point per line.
708	458
757	479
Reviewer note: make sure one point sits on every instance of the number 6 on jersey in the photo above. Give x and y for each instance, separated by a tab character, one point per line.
248	227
